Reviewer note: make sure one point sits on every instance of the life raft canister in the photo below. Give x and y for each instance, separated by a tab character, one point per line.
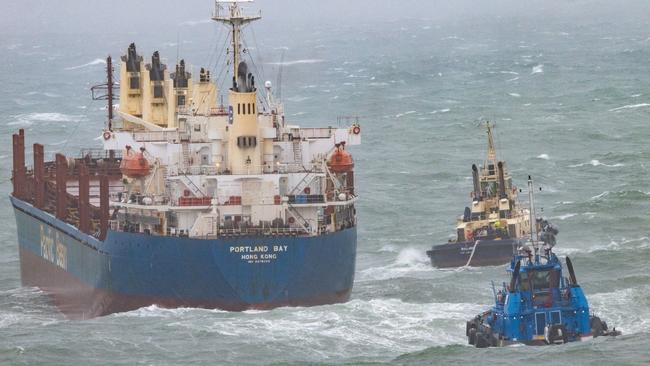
341	160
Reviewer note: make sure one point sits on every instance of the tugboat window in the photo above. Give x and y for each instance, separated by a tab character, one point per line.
544	279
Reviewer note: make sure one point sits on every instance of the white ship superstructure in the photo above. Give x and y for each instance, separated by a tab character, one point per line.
200	168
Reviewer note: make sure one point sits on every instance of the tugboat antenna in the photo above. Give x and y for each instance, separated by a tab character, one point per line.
229	13
491	153
533	221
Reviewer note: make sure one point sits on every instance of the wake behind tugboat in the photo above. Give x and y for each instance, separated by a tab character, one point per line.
495	225
539	306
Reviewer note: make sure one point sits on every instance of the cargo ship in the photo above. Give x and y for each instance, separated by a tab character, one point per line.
494	226
190	202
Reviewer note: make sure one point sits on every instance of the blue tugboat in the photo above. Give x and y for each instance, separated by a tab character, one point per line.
539	306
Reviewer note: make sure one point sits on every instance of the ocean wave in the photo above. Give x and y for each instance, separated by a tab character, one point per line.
537	69
409	262
97	61
613	245
404	114
595	162
31	118
297	62
47	94
626	309
630	106
633	194
155	311
563	217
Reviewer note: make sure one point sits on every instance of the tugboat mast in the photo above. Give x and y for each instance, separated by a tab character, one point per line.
491	153
533	222
229	13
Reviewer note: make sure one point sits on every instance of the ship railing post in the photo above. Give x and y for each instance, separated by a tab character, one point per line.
103	206
19	170
84	193
61	186
39	176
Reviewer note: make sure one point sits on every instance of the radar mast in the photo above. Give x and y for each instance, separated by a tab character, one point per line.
231	14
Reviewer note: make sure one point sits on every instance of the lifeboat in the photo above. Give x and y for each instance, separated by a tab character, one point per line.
341	160
134	165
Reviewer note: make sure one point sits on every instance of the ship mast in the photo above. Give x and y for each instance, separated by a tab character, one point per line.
230	14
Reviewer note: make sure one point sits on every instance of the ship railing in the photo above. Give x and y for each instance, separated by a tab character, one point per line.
98	154
259	230
317	132
156	136
298	168
196	170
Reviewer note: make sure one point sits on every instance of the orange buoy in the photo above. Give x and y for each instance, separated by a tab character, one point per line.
134	165
341	160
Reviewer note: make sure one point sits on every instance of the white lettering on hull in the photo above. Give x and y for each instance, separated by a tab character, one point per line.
254	254
53	249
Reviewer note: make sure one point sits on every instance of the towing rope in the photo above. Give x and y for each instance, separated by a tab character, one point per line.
472	254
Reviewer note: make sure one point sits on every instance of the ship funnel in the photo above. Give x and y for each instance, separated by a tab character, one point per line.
245	80
181	77
132	59
477	186
502	181
156	71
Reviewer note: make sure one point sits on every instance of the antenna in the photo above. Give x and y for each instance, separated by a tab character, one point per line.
533	221
230	14
106	92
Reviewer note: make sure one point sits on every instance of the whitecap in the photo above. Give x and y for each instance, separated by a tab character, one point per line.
30	118
599	196
538	69
564	217
404	114
543	156
595	162
630	106
97	61
515	95
297	62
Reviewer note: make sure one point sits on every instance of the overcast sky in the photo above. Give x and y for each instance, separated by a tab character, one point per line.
84	16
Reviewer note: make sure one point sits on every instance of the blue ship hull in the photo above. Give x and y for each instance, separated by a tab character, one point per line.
88	277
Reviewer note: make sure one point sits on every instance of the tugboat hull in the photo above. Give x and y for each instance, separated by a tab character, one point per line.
481	252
